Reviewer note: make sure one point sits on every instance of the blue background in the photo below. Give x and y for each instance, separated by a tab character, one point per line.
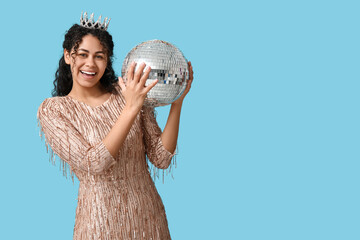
269	135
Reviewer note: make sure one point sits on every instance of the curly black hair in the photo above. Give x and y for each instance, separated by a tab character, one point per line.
63	79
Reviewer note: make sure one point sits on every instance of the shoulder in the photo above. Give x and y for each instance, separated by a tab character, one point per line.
117	88
50	106
118	93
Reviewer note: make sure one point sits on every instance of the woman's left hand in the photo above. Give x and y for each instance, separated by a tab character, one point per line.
188	86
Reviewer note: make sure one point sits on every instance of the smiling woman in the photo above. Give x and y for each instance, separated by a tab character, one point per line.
88	65
81	44
100	128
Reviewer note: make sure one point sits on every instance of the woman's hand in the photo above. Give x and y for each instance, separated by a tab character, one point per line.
135	90
134	93
188	86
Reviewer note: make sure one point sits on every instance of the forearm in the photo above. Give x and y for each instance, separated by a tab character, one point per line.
117	135
171	130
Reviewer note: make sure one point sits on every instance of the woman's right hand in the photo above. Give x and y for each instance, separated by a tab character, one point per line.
135	90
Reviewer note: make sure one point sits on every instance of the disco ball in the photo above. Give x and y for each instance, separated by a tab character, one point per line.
168	65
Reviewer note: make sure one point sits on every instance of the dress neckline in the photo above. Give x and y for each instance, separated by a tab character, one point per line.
92	107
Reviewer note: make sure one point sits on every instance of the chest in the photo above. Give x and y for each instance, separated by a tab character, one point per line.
93	124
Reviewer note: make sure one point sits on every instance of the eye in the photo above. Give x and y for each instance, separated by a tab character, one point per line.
82	55
100	57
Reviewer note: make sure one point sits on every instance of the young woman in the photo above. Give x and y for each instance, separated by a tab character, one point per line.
100	128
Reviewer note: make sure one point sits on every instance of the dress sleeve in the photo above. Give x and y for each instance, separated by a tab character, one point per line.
155	150
66	142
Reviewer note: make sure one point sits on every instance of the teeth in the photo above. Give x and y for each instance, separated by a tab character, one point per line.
90	73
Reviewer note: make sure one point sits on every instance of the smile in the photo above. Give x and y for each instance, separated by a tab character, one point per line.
88	73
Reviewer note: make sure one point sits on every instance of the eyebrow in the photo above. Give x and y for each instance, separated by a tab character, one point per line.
81	49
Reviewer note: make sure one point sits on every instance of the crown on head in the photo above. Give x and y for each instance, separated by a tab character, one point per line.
90	23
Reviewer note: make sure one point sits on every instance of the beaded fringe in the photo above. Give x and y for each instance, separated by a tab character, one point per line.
64	166
154	171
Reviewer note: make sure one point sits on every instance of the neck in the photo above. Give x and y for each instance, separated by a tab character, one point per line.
87	93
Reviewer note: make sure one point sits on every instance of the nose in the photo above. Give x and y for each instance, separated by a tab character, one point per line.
90	62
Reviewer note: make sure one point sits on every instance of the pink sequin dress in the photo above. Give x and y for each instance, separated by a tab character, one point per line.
117	198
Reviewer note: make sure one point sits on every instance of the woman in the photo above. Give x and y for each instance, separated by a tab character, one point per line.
100	128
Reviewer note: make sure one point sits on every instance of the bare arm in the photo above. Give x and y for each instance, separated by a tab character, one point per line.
117	135
171	130
134	93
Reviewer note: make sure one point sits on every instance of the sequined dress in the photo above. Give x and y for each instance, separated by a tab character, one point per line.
117	198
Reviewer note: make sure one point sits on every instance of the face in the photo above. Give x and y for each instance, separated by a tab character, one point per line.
88	64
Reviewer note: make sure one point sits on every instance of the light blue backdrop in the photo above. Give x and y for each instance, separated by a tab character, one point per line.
269	135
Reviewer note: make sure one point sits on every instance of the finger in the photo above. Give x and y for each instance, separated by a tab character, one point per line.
130	72
191	73
139	72
151	85
145	76
188	86
122	84
189	82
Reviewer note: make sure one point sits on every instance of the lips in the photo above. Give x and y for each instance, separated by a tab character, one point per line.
88	73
